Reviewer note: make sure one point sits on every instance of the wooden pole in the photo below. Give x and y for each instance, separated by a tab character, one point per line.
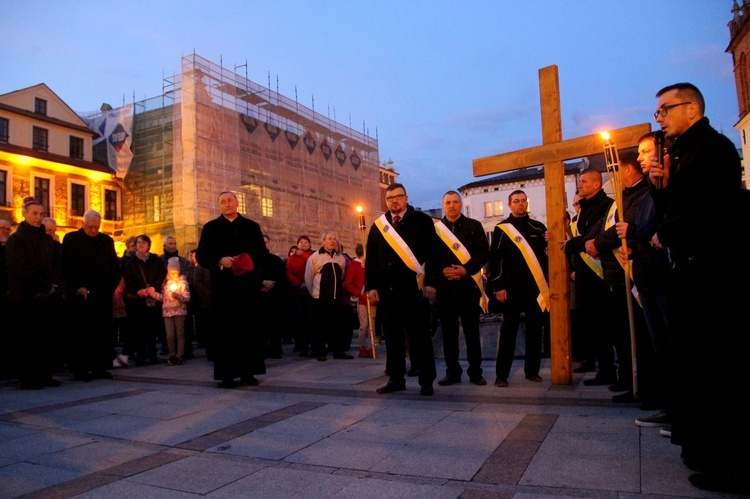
613	167
363	239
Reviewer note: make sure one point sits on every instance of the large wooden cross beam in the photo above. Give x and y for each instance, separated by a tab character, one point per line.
551	155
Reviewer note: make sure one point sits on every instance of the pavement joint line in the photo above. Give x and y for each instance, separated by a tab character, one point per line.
14	416
91	481
241	428
508	463
547	398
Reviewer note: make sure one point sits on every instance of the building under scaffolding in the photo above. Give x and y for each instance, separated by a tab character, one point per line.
293	170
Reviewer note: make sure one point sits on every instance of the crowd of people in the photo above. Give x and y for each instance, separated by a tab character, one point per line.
232	294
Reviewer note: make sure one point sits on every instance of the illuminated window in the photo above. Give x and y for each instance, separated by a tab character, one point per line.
40	140
3	187
42	192
156	209
499	208
241	202
266	207
40	106
468	211
76	147
4	130
77	199
487	209
110	205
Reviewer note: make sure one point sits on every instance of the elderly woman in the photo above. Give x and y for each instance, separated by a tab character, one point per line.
144	275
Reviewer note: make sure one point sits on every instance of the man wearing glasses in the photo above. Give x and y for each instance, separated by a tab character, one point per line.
709	252
400	275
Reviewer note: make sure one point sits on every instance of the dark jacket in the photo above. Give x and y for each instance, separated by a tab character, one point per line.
141	274
34	263
386	272
508	268
701	159
91	263
471	234
607	241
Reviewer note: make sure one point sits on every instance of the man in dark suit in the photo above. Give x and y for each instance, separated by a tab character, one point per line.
400	275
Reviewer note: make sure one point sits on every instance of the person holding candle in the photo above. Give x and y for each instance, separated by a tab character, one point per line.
175	296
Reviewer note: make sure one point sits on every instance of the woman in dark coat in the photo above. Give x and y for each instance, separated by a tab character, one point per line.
144	274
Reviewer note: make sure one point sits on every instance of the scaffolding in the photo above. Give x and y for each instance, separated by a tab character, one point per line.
293	170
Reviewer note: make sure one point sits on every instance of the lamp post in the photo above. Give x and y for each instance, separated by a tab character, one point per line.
362	235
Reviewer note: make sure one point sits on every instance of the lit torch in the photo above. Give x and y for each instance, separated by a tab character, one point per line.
613	168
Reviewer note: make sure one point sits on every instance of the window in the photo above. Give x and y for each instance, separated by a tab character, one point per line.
156	209
40	106
468	211
4	130
41	193
76	147
487	210
40	139
3	187
77	200
110	205
241	202
266	206
499	208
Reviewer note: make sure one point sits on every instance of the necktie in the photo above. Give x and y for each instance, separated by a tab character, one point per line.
396	220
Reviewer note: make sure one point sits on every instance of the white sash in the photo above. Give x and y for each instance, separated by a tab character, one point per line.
463	255
531	261
401	248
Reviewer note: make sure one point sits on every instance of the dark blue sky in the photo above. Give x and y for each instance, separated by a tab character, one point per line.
440	82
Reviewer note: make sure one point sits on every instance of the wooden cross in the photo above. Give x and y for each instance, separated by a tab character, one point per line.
551	155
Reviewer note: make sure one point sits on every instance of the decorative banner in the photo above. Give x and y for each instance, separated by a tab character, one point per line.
326	149
116	127
356	162
309	142
340	155
292	138
273	131
250	122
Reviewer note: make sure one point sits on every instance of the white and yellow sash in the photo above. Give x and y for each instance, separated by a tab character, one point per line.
463	255
593	263
401	248
531	261
611	220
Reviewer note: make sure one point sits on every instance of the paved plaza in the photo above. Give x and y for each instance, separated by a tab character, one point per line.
318	429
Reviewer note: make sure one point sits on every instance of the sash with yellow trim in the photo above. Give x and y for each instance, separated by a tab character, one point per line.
401	248
531	260
590	261
463	255
611	220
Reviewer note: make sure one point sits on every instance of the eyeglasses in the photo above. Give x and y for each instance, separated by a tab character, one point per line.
520	201
395	197
662	111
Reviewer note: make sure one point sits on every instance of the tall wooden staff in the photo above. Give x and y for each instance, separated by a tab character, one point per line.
613	168
362	233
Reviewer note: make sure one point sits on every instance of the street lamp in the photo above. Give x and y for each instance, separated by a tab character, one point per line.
362	235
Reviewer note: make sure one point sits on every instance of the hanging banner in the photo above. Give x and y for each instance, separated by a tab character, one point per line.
116	127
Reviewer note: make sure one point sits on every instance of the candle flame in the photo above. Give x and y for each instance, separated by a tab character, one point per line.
605	135
359	209
173	286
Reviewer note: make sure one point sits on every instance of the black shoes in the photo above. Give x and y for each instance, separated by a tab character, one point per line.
449	380
322	358
249	381
426	390
228	383
501	382
618	387
732	483
392	386
534	379
101	375
478	380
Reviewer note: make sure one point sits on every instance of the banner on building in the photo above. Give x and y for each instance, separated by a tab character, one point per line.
116	128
